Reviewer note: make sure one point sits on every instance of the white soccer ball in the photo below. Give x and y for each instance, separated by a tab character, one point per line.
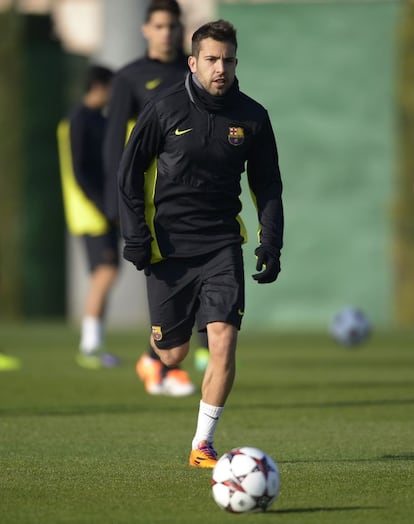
245	480
350	326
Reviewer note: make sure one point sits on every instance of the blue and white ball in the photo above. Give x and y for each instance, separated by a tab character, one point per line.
350	326
245	480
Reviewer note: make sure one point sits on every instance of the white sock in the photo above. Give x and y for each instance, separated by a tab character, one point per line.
91	335
208	417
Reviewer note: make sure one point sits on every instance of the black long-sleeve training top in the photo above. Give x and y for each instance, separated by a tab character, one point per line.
87	129
179	177
132	87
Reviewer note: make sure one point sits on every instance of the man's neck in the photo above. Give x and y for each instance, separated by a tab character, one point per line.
165	58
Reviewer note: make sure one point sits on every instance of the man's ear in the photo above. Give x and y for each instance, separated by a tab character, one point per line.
144	30
192	63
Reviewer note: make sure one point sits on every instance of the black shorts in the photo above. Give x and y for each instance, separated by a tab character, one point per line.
211	286
102	249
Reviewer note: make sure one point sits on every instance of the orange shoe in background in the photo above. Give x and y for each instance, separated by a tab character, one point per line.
177	383
149	371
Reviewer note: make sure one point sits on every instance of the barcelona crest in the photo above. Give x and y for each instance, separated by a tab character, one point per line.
236	136
157	333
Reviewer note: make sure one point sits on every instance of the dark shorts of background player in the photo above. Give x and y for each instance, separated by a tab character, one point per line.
211	286
102	249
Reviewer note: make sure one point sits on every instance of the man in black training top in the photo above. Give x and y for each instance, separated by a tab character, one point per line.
179	184
81	138
163	66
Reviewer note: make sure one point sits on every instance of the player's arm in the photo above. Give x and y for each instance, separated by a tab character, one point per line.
121	107
143	146
79	131
266	186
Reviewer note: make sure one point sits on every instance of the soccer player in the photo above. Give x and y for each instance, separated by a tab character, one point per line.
179	183
163	66
80	140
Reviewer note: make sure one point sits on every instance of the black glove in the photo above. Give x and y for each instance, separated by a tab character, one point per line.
269	258
139	255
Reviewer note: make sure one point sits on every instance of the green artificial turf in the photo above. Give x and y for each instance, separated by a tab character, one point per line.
82	446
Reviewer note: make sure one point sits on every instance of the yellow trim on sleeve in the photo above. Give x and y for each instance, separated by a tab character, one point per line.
243	230
130	126
150	182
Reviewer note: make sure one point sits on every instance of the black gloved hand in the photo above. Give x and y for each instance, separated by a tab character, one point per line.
269	258
139	255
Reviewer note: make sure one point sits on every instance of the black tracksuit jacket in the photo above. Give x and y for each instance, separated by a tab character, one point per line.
132	87
179	177
87	129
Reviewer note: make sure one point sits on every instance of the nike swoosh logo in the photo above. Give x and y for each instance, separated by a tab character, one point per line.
152	84
240	312
209	416
180	132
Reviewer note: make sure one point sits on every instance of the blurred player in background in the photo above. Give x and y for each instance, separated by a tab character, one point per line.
80	140
164	65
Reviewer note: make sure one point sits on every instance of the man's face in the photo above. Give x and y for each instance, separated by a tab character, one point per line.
101	95
215	66
163	33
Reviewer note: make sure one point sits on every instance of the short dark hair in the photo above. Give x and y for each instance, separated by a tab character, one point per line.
220	30
97	74
172	6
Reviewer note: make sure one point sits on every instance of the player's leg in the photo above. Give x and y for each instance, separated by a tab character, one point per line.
171	357
221	369
217	384
103	260
152	371
161	378
101	281
164	375
222	298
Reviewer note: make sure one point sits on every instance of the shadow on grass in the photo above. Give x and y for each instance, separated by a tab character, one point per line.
321	510
120	409
333	385
399	456
334	404
383	458
90	410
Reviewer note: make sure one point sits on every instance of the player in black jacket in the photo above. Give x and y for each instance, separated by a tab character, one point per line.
139	81
179	185
163	66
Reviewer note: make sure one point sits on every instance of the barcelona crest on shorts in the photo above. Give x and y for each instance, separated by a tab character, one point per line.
157	333
236	136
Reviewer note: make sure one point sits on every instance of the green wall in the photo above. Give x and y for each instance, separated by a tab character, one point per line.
325	73
11	81
43	259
